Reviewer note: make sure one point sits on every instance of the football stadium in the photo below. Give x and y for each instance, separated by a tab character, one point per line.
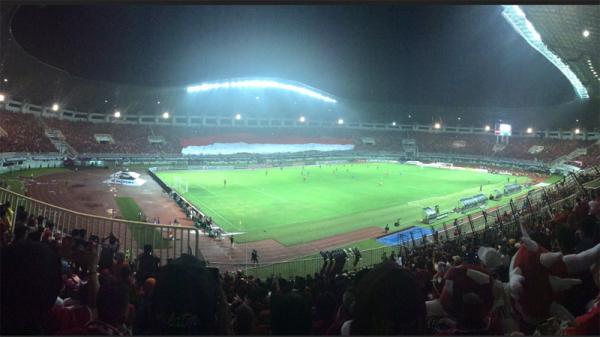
308	170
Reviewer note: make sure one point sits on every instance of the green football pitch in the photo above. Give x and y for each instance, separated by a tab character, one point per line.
295	205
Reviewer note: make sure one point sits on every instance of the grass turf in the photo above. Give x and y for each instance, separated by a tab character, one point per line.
281	204
130	211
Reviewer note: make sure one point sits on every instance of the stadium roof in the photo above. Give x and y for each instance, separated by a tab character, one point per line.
573	34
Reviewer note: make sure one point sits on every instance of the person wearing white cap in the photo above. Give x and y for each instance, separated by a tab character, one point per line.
490	258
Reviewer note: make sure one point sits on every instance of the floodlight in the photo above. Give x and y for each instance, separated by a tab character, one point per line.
157	102
340	121
238	117
165	115
1	98
393	123
529	130
105	101
585	33
458	118
409	116
302	119
487	128
117	114
577	131
55	107
437	125
5	80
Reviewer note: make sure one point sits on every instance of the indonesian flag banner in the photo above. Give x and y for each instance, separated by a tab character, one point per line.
248	143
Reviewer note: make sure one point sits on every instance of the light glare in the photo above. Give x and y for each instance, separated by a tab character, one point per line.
302	119
487	128
262	84
586	33
1	98
238	117
340	121
55	107
577	131
117	114
165	115
437	125
529	130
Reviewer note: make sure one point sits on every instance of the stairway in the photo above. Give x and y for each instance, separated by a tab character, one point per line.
57	139
574	154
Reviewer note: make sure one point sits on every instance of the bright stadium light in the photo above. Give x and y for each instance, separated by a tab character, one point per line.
117	114
105	101
238	117
165	115
261	84
409	116
5	80
529	130
257	98
55	107
577	131
585	33
487	128
1	98
340	121
158	102
302	119
516	17
393	123
437	125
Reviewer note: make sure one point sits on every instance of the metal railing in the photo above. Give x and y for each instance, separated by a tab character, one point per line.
168	241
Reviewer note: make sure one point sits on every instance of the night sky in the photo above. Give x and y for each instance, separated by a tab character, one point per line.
424	55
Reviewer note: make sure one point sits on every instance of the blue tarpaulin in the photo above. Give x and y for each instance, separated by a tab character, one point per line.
403	236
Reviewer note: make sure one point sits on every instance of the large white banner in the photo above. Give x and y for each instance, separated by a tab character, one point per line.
233	148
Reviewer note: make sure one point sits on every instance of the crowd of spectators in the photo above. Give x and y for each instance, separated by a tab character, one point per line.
72	283
23	134
483	145
592	157
130	139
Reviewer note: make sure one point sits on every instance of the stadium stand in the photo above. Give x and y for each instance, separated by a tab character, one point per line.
23	133
122	138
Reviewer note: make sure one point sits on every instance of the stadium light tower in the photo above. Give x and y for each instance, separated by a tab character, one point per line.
585	33
302	119
117	114
55	107
529	130
340	121
487	128
238	117
165	115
